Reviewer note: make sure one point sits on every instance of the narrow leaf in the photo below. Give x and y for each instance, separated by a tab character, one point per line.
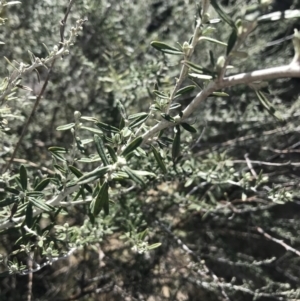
112	153
132	146
268	105
106	127
203	38
201	76
57	149
231	41
65	127
137	115
101	201
188	127
154	246
29	215
138	121
23	177
42	185
93	175
165	48
176	144
167	117
220	94
75	171
101	150
185	90
40	204
222	14
133	175
158	159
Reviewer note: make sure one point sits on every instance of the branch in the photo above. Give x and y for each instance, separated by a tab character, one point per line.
278	241
287	71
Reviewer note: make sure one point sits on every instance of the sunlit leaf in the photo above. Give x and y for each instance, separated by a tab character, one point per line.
65	127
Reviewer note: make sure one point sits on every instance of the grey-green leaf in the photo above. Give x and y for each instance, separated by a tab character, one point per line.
165	48
222	14
101	150
65	127
133	175
185	90
93	175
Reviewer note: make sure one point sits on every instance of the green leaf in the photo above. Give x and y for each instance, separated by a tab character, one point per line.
132	146
220	94
160	94
176	144
93	130
23	177
165	48
75	171
175	105
12	190
40	204
158	159
201	76
93	175
185	90
137	115
65	127
12	3
199	69
101	201
231	41
188	127
138	121
268	105
58	156
57	149
101	150
167	117
8	201
154	246
112	153
203	38
279	15
212	59
42	185
29	215
133	175
106	127
222	14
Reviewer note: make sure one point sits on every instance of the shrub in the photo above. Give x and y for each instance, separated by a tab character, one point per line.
172	172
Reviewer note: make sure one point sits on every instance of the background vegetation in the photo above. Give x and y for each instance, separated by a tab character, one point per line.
226	212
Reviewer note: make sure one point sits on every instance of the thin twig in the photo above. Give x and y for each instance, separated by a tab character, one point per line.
38	99
278	241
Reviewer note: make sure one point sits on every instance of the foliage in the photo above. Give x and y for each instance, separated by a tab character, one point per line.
138	161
